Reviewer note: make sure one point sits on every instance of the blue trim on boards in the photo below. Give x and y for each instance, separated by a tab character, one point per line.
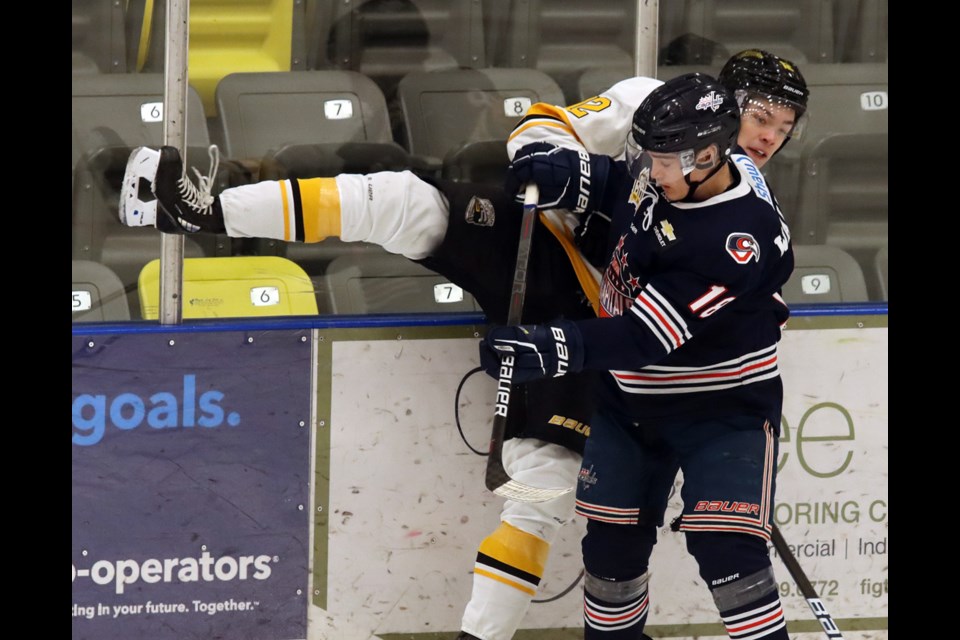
375	321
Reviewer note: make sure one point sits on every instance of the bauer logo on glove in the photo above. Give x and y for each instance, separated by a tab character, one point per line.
567	178
538	351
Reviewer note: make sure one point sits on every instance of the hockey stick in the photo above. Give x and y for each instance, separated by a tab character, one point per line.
813	600
497	479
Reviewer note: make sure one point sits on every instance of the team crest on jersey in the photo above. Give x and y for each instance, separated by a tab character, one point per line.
710	101
480	212
743	247
665	233
619	286
588	477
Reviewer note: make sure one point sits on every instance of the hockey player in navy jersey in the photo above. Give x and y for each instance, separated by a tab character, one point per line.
686	343
468	233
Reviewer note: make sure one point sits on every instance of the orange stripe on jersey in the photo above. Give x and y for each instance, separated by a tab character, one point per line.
590	286
286	210
320	199
551	112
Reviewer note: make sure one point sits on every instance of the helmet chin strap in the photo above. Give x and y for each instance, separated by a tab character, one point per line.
693	185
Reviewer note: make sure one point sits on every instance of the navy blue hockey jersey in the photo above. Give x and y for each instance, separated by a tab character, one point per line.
691	312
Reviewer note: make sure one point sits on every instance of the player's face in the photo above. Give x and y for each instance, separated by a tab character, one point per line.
764	127
666	170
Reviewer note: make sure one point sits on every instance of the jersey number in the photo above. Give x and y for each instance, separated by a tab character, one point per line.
598	103
707	304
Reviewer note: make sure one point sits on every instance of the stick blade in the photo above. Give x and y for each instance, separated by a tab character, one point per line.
519	492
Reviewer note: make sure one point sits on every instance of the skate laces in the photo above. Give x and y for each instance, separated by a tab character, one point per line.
198	197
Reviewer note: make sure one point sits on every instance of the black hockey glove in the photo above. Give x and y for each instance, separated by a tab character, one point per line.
568	179
533	351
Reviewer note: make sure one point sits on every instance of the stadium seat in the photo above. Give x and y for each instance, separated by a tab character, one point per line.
445	110
98	294
843	195
261	112
880	268
307	124
824	274
126	109
387	39
390	283
229	37
562	38
233	287
844	98
799	30
861	29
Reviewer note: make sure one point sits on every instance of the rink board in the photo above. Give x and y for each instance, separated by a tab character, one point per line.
397	505
407	506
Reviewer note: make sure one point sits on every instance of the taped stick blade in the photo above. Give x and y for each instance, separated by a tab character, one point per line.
519	492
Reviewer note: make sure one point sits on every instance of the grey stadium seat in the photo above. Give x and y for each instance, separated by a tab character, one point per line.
387	39
824	274
446	110
98	294
880	266
261	112
390	283
307	124
120	109
799	30
562	38
843	195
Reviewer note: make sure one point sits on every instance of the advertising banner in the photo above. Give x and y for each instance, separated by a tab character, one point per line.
191	485
407	503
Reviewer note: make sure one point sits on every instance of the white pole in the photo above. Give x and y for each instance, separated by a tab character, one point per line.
645	51
174	135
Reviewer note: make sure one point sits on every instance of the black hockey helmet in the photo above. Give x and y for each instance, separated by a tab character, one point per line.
761	73
684	115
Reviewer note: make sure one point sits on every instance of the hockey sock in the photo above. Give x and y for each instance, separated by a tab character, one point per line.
298	210
736	568
614	610
750	608
508	569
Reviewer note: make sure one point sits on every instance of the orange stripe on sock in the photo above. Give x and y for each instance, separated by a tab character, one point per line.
517	548
286	210
509	583
320	199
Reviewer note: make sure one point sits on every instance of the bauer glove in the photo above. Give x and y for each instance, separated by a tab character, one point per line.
567	179
532	351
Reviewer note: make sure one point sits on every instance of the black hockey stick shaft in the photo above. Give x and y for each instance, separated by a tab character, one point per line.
806	588
496	477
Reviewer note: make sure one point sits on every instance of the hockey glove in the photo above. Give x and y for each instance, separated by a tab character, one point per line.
533	351
567	179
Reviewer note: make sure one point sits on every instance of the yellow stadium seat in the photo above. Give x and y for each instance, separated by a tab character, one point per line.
232	287
228	37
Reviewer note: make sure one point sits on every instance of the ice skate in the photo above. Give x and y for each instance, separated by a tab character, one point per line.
156	192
